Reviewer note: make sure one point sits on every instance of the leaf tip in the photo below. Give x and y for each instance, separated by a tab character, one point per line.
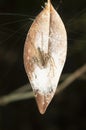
43	100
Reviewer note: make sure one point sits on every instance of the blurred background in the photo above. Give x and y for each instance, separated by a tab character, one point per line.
67	110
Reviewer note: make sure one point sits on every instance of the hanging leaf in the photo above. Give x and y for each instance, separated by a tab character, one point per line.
44	55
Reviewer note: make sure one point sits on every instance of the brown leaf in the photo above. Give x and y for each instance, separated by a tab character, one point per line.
44	55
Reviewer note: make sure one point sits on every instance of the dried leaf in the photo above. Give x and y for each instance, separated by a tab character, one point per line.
44	55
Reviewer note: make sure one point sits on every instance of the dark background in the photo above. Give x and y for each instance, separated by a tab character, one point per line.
67	110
